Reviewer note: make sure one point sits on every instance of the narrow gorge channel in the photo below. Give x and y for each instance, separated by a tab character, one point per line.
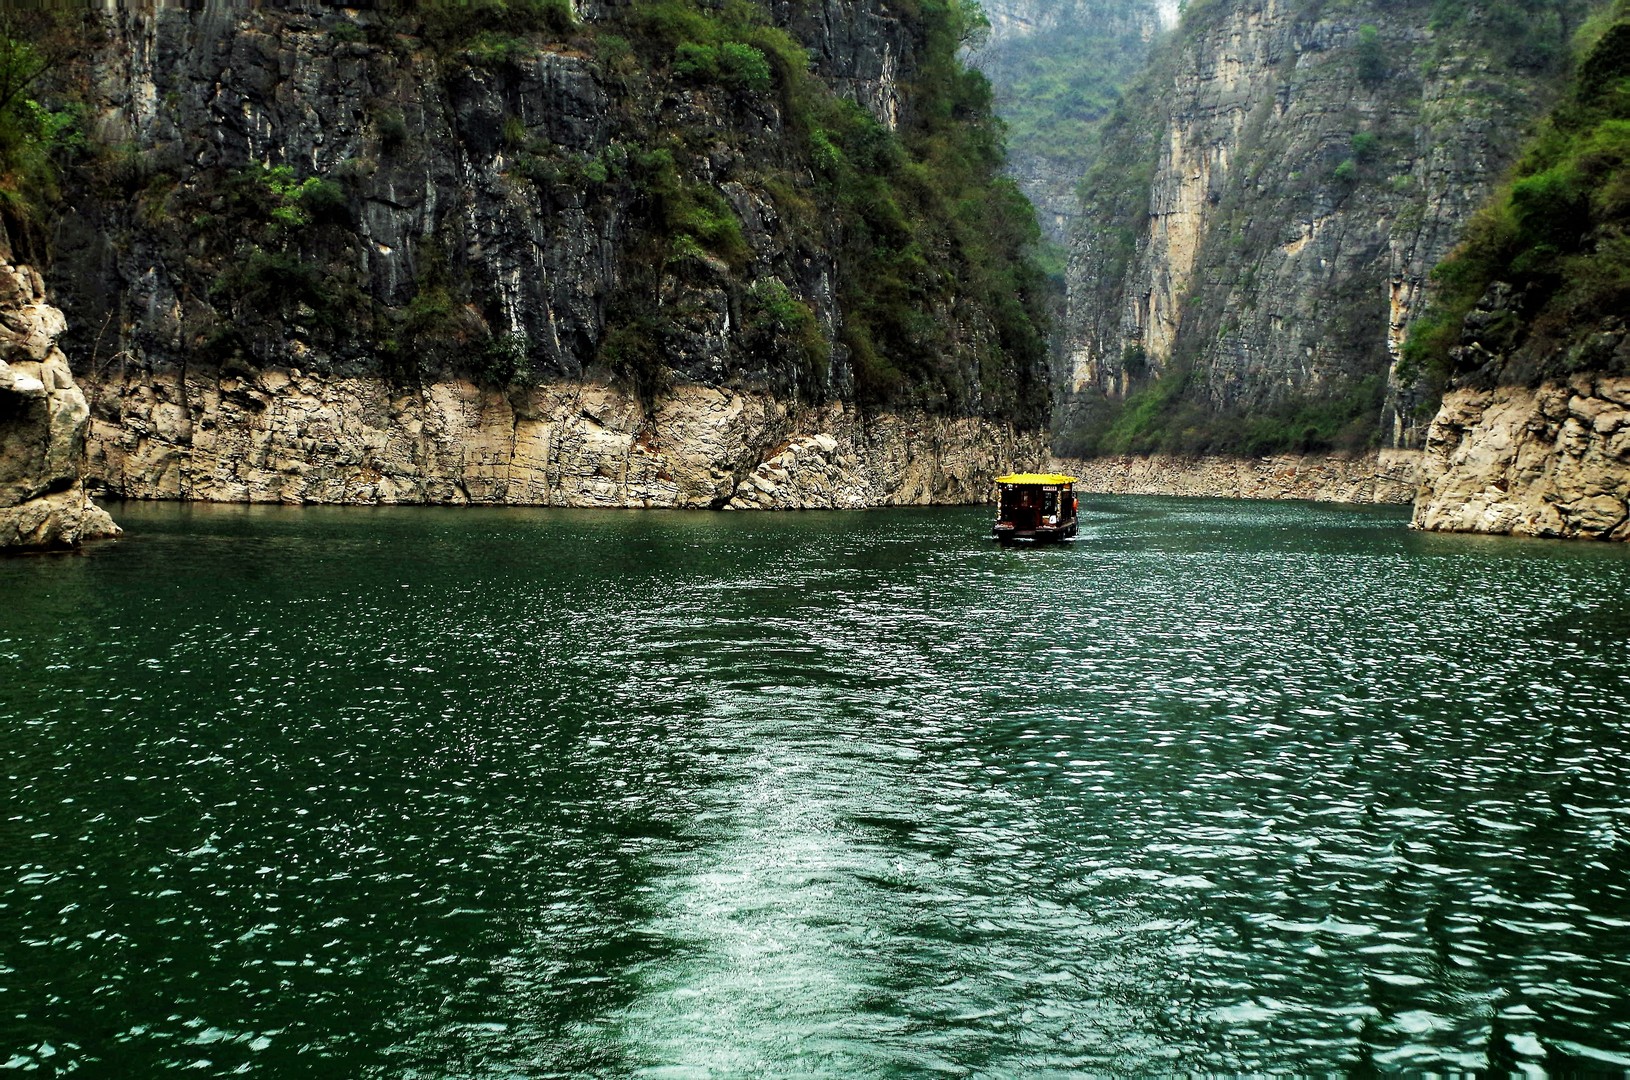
400	683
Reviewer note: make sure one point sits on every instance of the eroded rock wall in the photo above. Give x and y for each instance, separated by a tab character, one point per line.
1552	460
293	211
290	436
42	425
1389	477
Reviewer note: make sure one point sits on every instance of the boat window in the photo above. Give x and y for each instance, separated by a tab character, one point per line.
1049	502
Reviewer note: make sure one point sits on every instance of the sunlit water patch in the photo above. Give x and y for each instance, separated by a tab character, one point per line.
1219	788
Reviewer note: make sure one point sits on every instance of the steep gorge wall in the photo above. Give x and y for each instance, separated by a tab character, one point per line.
1527	332
408	248
1389	477
1266	209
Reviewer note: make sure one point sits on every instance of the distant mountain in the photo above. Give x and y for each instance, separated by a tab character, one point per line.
1056	68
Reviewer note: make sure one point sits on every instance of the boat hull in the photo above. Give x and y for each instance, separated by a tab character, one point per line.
1043	534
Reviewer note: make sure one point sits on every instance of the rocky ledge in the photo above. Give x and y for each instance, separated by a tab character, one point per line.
294	437
42	425
1552	461
1386	477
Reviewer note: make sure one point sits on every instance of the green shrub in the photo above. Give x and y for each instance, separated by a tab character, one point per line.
615	54
274	281
505	360
697	62
275	194
826	156
731	63
632	351
496	48
513	132
323	201
744	67
1371	56
31	135
777	321
494	23
392	130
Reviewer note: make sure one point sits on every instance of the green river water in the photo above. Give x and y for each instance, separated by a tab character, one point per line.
417	792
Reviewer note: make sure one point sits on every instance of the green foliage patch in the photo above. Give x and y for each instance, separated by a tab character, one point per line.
493	30
33	138
1558	232
927	233
936	298
1166	417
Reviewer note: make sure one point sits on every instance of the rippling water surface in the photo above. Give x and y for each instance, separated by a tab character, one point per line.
424	793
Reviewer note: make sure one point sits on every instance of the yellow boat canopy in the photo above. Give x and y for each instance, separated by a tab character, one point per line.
1035	478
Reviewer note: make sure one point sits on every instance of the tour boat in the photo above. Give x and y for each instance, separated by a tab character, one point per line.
1035	508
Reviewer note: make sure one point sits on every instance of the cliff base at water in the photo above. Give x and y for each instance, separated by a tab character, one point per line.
1527	330
1552	460
1385	477
293	437
42	426
638	255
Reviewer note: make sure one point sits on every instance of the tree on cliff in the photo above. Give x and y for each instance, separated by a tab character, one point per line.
30	133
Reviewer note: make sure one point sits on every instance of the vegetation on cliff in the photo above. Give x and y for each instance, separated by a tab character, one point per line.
703	203
1556	237
32	136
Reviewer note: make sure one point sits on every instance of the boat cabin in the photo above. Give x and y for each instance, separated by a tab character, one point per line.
1035	508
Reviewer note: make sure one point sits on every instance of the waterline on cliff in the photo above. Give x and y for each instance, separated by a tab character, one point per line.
289	436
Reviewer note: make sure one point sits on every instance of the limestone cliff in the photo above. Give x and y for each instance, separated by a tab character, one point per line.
1389	477
1552	460
295	437
394	239
1266	208
42	425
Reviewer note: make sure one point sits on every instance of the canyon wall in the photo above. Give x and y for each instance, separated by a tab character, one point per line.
1388	477
1552	460
1056	69
1267	205
472	258
1527	333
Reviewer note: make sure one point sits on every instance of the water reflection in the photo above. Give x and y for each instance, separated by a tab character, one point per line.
1220	788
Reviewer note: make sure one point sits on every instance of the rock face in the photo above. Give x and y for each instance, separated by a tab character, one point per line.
42	425
322	238
294	437
1267	206
1552	460
1390	476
